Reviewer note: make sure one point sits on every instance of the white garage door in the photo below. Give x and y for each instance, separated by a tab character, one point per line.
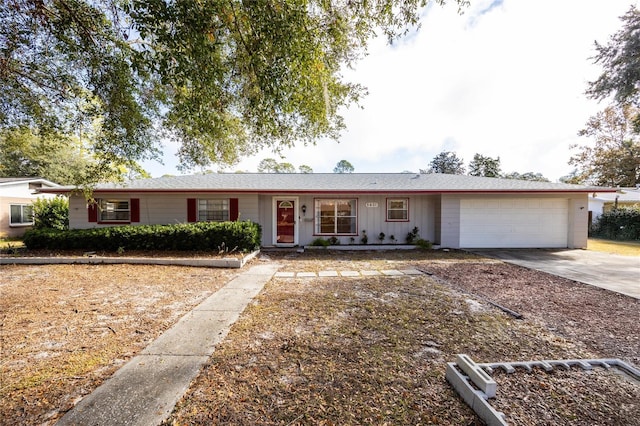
503	223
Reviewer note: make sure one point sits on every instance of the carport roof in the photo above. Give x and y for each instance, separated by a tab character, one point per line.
336	183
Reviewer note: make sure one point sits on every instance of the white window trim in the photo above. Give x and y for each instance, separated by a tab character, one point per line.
227	211
405	200
318	225
22	207
101	209
274	226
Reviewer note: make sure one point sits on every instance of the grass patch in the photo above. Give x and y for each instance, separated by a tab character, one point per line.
11	243
625	248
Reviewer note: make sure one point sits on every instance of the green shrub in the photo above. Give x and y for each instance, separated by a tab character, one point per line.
618	224
235	236
413	235
51	213
320	242
423	244
334	241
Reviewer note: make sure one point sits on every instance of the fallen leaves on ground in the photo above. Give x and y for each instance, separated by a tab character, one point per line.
65	328
373	350
337	350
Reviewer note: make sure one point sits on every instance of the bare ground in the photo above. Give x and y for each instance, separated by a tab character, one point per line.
373	351
65	328
324	350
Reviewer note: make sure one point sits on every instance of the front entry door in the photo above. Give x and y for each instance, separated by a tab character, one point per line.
286	212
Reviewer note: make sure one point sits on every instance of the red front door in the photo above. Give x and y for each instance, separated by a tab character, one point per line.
286	222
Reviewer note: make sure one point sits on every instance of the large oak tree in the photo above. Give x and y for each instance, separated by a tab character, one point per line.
223	77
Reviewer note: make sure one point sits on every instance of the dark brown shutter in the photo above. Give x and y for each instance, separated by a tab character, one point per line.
135	210
233	209
192	210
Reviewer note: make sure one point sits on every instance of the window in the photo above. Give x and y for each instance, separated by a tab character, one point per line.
21	214
114	210
336	217
397	210
213	210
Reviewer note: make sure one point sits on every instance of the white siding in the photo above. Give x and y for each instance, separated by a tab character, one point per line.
513	222
450	222
160	208
578	221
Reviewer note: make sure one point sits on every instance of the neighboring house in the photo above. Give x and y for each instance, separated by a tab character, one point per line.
601	202
16	196
450	210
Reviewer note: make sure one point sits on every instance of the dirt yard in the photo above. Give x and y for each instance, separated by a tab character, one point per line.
324	350
66	328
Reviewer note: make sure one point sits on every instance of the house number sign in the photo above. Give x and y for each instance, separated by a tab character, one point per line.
371	204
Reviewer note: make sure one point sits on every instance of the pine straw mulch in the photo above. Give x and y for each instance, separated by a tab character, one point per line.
373	350
323	350
64	329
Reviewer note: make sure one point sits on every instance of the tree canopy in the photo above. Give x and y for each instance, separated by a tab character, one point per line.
620	60
224	78
534	176
343	166
58	158
485	166
614	157
446	162
270	165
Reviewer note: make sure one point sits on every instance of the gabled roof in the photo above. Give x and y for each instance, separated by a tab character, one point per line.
336	183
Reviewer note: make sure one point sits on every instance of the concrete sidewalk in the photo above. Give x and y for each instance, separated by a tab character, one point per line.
145	390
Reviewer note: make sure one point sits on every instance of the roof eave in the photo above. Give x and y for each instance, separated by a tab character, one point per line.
63	190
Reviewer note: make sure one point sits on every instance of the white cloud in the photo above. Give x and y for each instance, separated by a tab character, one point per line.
506	78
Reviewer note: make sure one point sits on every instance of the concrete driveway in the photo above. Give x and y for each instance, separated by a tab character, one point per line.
610	271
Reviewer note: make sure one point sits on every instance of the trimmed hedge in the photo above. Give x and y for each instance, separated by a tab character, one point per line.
240	236
618	224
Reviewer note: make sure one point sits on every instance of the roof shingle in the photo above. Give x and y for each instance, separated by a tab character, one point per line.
336	182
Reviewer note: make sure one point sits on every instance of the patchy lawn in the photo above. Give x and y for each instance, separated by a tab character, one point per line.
369	350
625	248
374	350
65	328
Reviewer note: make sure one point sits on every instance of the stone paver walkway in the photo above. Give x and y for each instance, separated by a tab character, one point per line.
350	274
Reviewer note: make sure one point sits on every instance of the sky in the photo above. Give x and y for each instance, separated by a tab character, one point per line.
504	79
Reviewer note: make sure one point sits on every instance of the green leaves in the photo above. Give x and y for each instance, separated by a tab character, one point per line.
205	236
619	224
485	166
446	162
620	60
51	213
223	77
614	157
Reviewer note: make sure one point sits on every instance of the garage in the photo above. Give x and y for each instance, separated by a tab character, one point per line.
514	223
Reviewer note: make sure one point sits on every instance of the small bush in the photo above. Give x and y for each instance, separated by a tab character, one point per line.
320	242
413	235
51	213
243	236
618	224
423	244
334	241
